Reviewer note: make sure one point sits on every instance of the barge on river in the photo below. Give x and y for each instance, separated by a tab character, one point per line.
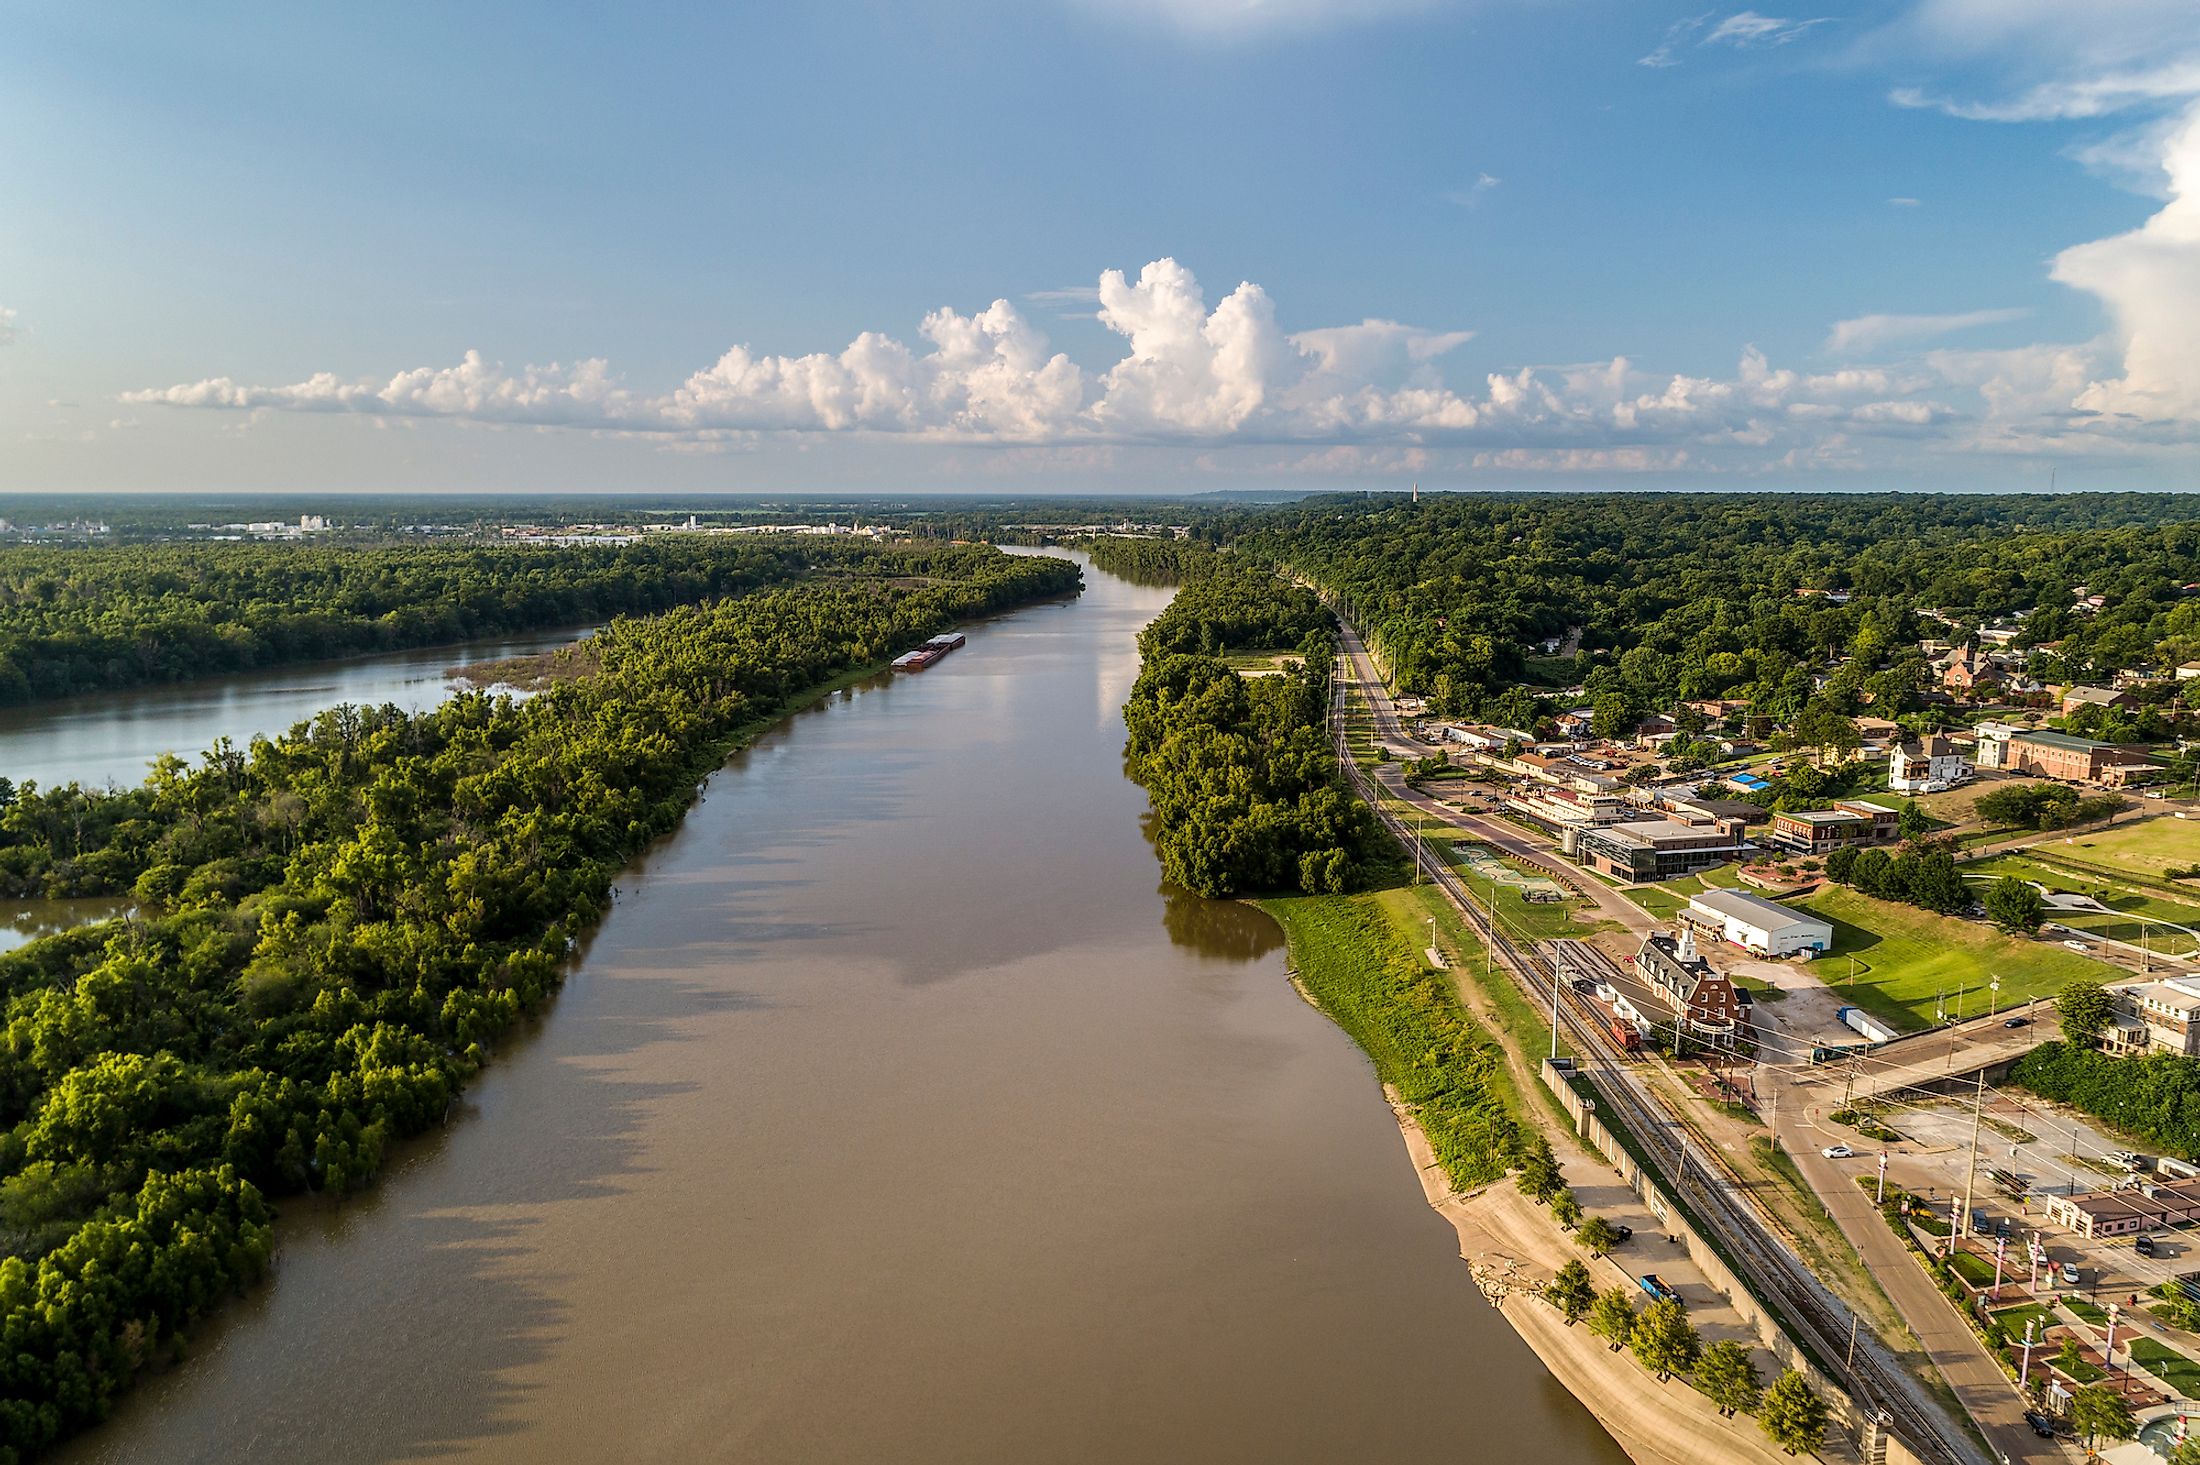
928	653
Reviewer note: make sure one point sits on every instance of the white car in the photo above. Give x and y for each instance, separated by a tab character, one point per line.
1838	1152
2069	1274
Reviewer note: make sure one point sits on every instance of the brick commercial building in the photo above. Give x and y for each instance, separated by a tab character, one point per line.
1700	998
2064	756
2147	1206
1816	831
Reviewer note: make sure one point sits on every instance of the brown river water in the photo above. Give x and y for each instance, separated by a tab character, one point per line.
894	1114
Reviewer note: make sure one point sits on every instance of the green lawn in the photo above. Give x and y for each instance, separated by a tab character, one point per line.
1910	961
2168	1365
1657	900
2146	847
1973	1268
2014	1318
2123	923
1666	900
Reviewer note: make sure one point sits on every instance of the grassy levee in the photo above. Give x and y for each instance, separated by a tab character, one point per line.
1362	971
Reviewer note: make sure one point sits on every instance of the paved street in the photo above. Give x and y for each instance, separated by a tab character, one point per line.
1954	1350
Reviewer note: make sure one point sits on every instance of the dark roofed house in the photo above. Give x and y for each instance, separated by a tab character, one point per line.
1700	997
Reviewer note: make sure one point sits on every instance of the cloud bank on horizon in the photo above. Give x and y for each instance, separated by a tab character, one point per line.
1228	373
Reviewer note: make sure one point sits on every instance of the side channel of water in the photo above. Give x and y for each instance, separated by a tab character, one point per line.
895	1114
113	737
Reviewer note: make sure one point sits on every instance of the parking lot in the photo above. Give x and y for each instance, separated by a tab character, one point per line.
2032	1146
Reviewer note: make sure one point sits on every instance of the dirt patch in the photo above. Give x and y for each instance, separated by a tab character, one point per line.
532	673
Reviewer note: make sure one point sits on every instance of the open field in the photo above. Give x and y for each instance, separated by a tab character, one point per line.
1259	663
1910	962
1664	901
2133	910
2146	847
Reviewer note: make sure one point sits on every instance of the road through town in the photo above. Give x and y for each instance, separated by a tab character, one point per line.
1960	1356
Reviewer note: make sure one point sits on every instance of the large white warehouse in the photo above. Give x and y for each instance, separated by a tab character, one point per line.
1756	924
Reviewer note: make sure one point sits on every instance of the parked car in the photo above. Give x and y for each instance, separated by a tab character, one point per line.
2043	1425
2018	1022
2144	1245
2079	945
1837	1152
1622	1233
2069	1273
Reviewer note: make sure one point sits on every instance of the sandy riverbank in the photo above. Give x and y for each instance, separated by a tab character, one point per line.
1512	1245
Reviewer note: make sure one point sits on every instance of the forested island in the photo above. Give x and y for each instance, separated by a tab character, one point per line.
103	619
341	922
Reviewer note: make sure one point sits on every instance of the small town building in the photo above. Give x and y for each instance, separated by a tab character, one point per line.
2063	756
1967	669
1660	849
1926	765
2155	1017
1702	1000
1820	831
1759	925
1567	811
2147	1206
2075	697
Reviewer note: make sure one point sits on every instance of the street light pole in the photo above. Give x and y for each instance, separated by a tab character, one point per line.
1970	1170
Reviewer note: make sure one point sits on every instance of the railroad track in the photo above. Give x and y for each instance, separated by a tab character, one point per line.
1827	1329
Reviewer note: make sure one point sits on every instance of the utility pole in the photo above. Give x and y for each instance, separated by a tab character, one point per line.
1970	1170
1882	1197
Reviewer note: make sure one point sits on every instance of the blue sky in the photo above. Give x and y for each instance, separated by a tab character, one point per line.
1494	243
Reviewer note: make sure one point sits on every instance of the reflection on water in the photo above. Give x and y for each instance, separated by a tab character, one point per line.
113	737
893	1114
1224	929
25	921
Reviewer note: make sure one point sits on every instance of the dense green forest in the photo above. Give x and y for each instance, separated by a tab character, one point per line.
2154	1097
347	918
1244	783
83	620
1719	595
1150	561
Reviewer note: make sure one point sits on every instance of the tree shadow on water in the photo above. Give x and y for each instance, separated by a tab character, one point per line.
399	1324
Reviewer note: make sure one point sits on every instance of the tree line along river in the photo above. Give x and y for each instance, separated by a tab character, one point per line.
893	1113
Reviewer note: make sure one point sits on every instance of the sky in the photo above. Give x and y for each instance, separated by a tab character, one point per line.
1100	245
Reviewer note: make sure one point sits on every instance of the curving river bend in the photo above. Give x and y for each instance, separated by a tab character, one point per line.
894	1114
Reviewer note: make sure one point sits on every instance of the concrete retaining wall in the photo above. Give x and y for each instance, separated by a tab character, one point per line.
1651	1188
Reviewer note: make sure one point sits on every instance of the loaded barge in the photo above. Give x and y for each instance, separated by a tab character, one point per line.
928	653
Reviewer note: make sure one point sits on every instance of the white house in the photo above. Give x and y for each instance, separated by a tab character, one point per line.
1926	766
1759	925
